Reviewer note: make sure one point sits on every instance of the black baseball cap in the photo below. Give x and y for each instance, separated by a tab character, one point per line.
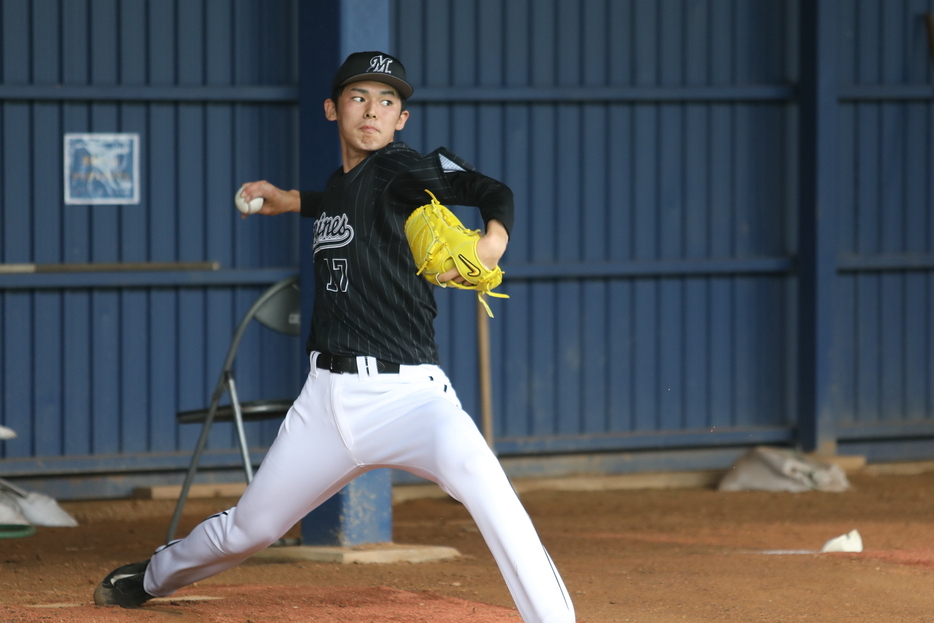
377	66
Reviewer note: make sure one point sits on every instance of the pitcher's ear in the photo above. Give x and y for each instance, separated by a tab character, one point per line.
402	119
330	110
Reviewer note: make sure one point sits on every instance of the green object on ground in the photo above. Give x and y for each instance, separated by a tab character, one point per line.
16	530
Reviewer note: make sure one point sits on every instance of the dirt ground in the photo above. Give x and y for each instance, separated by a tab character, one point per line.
654	556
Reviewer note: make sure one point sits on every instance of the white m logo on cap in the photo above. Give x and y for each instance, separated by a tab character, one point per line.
380	64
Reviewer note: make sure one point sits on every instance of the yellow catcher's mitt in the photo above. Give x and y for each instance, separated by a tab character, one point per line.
440	242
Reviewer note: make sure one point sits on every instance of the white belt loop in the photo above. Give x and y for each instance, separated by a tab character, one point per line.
314	364
366	368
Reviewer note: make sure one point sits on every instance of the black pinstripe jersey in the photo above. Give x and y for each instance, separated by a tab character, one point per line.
368	298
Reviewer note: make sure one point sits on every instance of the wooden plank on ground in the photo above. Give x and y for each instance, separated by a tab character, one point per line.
171	492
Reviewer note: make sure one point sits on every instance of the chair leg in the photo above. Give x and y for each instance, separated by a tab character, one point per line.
241	434
192	469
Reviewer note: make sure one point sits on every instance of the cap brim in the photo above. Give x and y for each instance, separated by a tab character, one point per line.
404	88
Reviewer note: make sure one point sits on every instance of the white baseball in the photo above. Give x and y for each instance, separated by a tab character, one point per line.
252	207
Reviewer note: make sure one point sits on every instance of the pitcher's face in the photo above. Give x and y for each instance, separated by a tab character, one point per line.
368	114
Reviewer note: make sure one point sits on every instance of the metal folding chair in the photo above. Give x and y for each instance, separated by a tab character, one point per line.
278	308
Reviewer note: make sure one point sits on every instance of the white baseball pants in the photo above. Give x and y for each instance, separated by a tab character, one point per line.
343	425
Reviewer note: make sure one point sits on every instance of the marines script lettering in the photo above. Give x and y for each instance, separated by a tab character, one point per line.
332	232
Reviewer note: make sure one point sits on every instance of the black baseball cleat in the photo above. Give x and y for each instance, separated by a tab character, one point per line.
123	587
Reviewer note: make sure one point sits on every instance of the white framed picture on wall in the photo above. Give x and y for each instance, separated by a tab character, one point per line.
101	169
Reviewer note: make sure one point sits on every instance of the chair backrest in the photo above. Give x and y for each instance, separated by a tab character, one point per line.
278	308
281	309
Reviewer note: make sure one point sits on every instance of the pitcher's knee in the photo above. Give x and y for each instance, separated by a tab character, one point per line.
478	470
245	543
232	541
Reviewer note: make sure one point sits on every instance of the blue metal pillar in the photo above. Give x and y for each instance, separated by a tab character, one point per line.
328	31
819	209
359	513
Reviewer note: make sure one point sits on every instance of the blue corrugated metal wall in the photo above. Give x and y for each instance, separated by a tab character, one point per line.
653	273
651	147
94	365
886	241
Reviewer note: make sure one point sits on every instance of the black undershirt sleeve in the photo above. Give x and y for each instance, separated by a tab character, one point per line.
492	197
